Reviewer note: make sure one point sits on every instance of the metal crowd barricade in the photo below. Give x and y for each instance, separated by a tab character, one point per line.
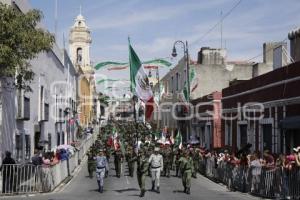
259	181
28	178
21	179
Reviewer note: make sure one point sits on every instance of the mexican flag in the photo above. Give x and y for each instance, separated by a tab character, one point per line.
178	140
115	139
111	65
184	95
193	80
140	83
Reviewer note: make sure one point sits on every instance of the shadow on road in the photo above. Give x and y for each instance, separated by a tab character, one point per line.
178	191
134	195
126	190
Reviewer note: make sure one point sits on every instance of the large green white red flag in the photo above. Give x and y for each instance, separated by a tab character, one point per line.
140	83
178	140
184	95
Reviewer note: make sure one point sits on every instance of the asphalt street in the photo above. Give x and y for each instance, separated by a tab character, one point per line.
126	188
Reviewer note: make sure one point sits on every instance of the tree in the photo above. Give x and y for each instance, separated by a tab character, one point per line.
103	99
20	41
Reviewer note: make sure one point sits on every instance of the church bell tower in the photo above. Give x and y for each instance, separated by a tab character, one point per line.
79	43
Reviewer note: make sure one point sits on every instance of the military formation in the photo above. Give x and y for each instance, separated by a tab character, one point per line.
136	146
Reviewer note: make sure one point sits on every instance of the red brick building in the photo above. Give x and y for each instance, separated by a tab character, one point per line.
277	127
207	121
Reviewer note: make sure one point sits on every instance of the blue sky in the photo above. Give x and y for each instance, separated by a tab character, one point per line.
154	25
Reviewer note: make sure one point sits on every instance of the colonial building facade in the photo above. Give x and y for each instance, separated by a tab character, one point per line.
43	118
265	111
80	41
212	73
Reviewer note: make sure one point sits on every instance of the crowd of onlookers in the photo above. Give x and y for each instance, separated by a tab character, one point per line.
264	174
51	158
45	158
255	159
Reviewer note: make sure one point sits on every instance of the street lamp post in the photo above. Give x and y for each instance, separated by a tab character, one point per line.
159	92
186	56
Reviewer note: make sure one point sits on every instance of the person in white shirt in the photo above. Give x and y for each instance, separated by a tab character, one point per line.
256	166
156	165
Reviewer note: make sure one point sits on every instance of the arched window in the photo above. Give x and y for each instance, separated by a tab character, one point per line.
79	55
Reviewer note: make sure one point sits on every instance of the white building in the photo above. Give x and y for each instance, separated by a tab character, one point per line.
45	117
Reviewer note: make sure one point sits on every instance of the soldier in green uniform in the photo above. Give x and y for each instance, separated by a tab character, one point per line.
118	161
196	161
167	154
129	156
186	167
149	150
142	170
91	163
177	162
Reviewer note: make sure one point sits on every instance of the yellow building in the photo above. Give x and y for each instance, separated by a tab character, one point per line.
80	41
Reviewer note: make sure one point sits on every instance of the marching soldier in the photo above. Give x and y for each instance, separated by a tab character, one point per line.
142	169
157	165
177	162
129	157
102	166
196	160
118	161
91	164
186	167
167	161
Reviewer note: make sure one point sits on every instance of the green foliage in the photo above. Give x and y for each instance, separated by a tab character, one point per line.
20	41
103	99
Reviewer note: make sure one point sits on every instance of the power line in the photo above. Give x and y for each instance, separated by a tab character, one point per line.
218	23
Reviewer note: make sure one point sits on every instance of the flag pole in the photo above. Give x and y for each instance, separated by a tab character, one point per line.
134	98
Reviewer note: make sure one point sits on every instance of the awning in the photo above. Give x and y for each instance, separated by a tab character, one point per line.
290	123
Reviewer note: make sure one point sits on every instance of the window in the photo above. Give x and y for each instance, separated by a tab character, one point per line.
243	135
49	141
79	56
267	136
19	147
20	103
177	82
228	133
172	84
41	104
58	138
46	114
63	137
56	107
26	108
23	106
60	115
27	147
